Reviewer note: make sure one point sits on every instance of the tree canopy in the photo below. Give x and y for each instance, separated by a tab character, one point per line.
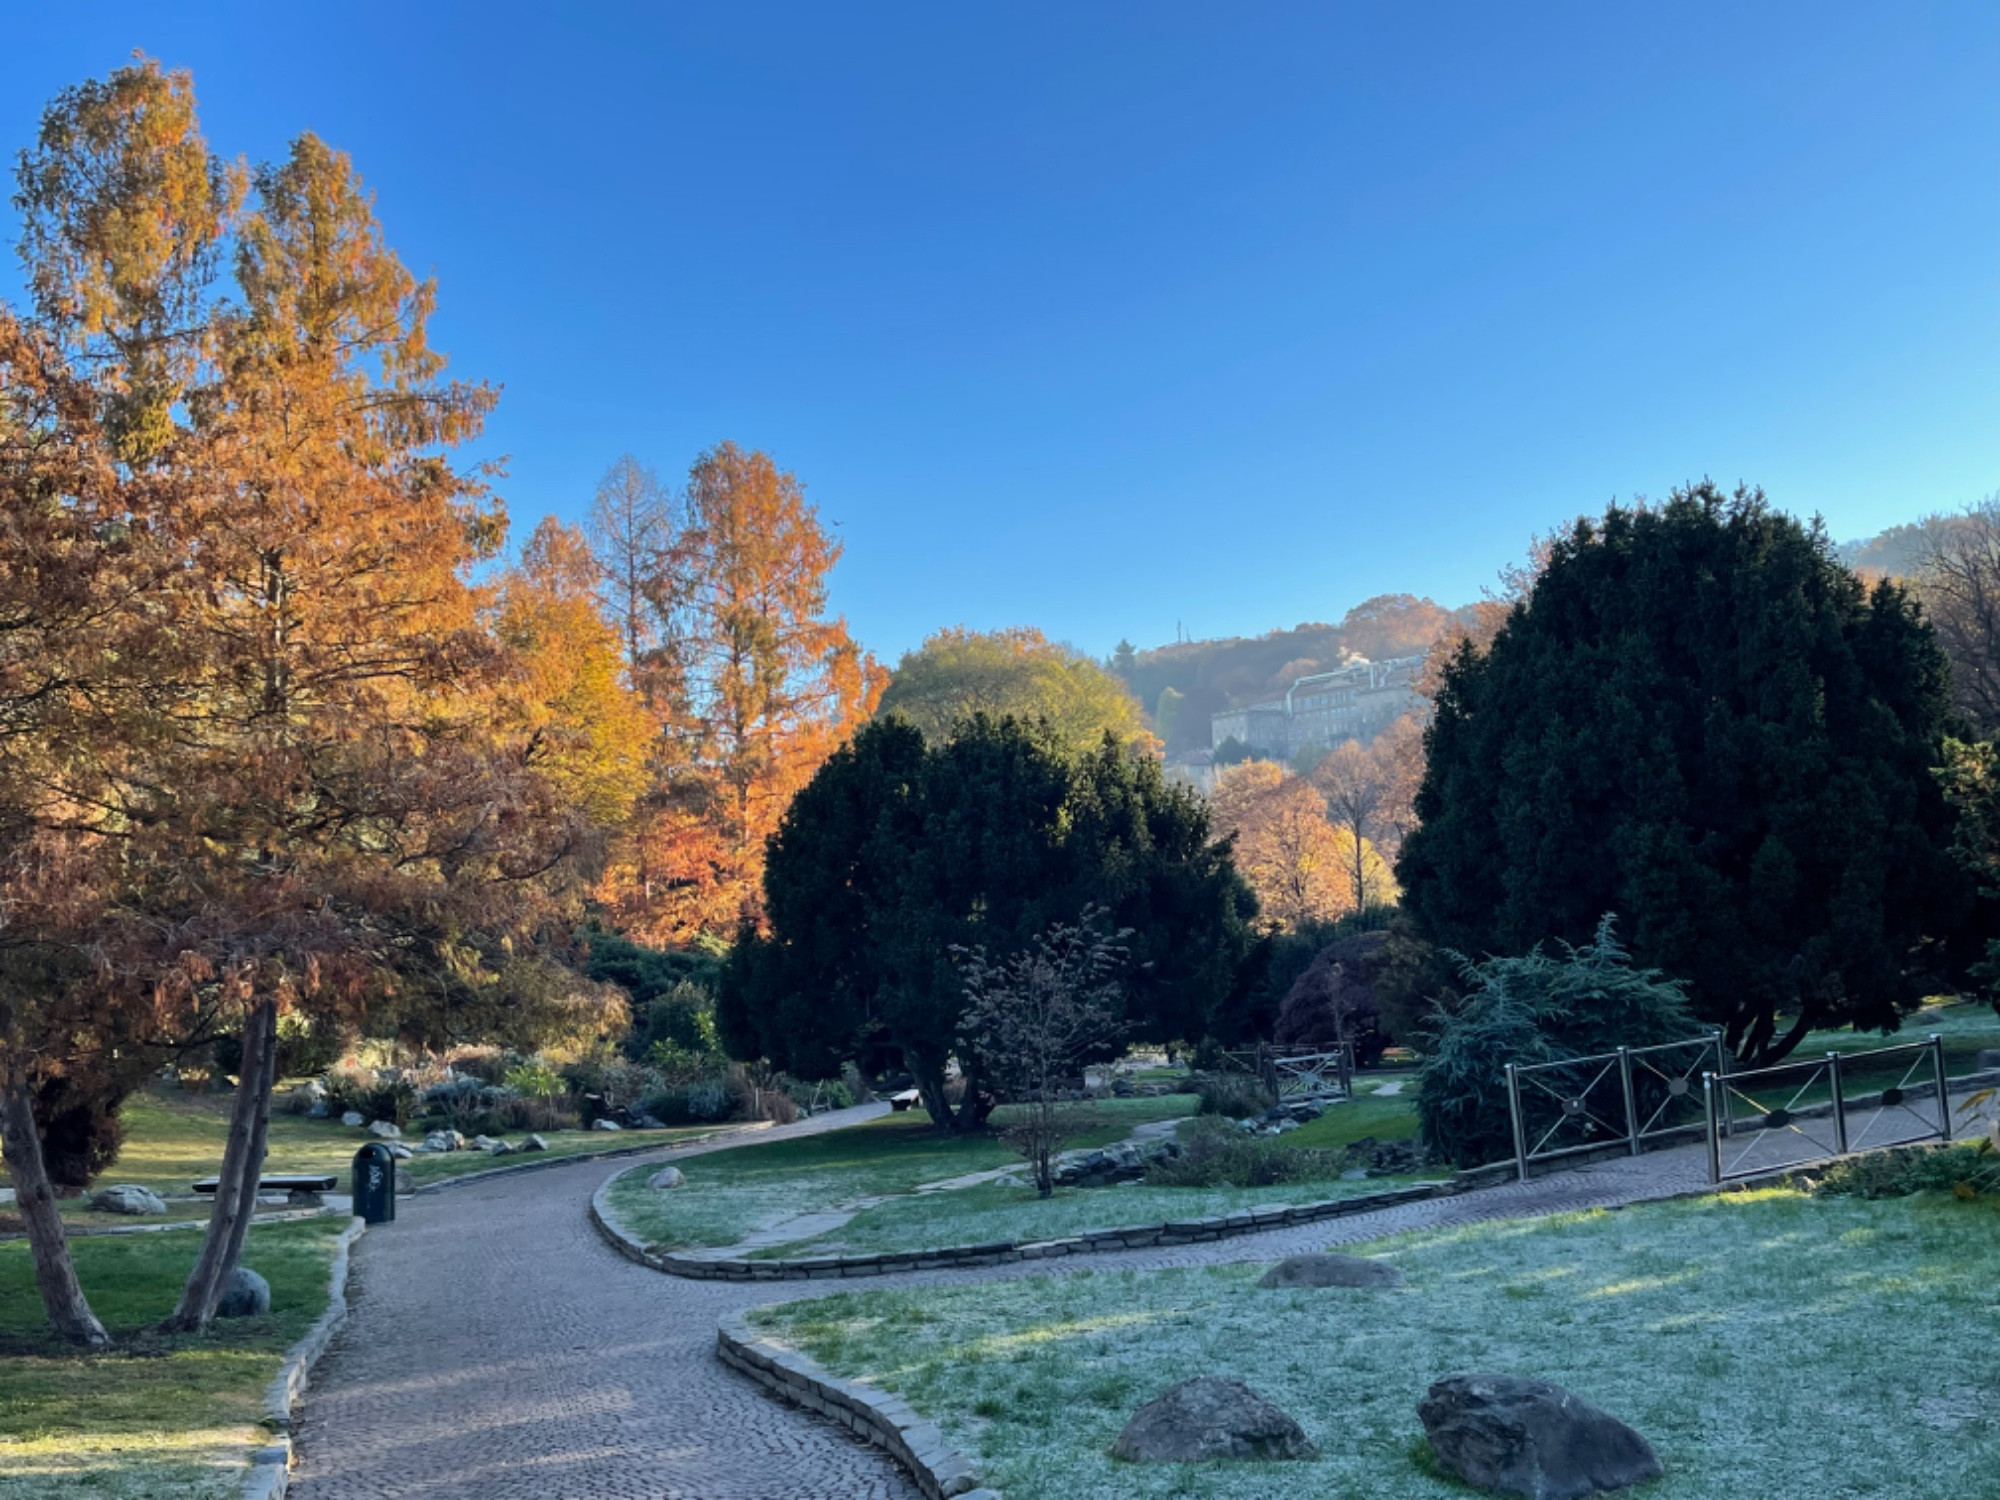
1016	673
1700	721
899	851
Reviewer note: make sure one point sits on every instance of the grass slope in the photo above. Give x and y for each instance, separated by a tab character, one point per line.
160	1417
730	1194
1767	1344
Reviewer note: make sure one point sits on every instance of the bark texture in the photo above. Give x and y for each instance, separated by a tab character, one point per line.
34	1199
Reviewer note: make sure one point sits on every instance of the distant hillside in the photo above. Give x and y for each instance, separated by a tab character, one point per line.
1895	552
1213	675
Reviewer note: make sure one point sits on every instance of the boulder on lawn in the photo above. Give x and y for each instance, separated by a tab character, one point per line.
1207	1418
532	1143
666	1177
128	1198
352	1119
244	1295
1330	1270
386	1130
398	1150
1511	1435
490	1146
603	1124
443	1140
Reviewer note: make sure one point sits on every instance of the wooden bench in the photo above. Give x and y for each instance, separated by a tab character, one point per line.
296	1183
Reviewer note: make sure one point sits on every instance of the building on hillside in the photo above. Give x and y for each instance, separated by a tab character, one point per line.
1195	768
1323	709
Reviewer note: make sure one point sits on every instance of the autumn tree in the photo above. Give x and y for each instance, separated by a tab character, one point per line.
1367	791
567	701
764	684
1016	673
631	529
1958	581
1300	865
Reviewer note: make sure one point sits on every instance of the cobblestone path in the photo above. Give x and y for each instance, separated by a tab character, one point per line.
499	1350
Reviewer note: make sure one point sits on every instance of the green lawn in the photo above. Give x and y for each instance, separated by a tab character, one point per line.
1968	1028
1390	1119
730	1194
1768	1344
173	1139
161	1417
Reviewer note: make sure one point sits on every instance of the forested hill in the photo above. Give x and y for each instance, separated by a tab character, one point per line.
1210	676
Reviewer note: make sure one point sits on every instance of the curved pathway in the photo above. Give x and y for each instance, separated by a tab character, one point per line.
499	1350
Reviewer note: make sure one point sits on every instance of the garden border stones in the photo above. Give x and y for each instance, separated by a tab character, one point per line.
271	1466
1005	1252
875	1416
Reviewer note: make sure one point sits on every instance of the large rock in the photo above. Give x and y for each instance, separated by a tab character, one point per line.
490	1146
1510	1435
352	1119
603	1124
666	1177
1208	1418
443	1140
128	1198
532	1143
1330	1270
386	1130
244	1295
398	1150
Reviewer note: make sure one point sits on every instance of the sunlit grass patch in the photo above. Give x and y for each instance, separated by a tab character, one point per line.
1767	1343
158	1416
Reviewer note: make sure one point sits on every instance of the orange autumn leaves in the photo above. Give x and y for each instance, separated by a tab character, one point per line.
1305	869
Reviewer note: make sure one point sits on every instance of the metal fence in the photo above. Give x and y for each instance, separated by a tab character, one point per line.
1795	1114
1326	1075
1634	1096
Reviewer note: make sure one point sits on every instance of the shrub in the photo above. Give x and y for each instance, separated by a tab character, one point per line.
76	1116
1215	1154
534	1080
369	1094
702	1103
1541	1008
1237	1095
1966	1171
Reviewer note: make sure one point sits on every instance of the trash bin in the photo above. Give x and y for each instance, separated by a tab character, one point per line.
375	1184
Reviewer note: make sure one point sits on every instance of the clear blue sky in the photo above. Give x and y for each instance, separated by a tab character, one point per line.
1105	318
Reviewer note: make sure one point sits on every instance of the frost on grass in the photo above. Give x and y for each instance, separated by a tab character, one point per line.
1767	1344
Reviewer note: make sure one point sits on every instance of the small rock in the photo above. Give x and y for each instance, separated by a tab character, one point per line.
398	1150
387	1130
1330	1270
485	1143
1207	1418
666	1177
532	1143
244	1295
602	1124
352	1119
128	1198
1511	1435
647	1122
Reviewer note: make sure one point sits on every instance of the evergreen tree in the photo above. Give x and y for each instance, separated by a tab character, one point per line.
1700	721
896	853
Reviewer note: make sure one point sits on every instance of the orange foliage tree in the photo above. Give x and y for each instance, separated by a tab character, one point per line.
1297	861
754	687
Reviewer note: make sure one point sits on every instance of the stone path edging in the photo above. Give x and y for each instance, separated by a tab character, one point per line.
271	1466
941	1471
1002	1252
543	1160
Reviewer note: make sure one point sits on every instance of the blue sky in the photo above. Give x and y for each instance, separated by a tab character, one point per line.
1123	319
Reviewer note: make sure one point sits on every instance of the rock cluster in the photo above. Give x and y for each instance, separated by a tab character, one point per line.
1510	1435
1280	1118
1104	1165
1208	1418
128	1198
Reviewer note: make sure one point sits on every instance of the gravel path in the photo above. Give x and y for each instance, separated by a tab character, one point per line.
499	1350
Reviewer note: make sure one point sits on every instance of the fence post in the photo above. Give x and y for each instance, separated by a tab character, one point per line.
1514	1114
1839	1105
1631	1108
1714	1140
1347	1069
1944	1097
1722	1072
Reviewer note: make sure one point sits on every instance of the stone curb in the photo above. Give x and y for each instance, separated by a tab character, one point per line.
271	1466
544	1162
1006	1252
941	1471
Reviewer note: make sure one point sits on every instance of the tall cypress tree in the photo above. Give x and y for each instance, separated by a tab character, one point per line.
1700	721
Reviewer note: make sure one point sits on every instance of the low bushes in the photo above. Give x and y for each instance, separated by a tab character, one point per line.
1216	1154
1237	1095
1965	1171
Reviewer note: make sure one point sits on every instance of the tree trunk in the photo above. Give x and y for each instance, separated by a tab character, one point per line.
224	1239
930	1084
253	1160
55	1273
